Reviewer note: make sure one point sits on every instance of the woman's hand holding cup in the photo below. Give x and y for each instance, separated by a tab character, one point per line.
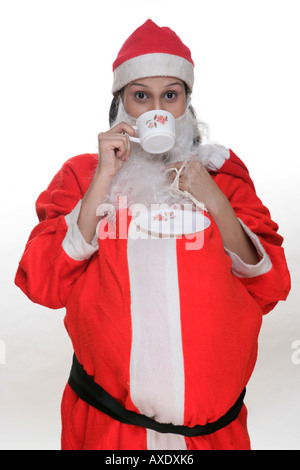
156	134
114	148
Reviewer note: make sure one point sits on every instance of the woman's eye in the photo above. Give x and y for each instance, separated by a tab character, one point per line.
140	95
170	95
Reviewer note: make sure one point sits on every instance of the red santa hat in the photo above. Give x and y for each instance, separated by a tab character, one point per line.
152	51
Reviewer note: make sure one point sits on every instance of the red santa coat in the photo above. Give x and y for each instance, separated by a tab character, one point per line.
169	332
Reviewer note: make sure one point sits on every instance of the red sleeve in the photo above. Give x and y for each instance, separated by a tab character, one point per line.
46	273
273	286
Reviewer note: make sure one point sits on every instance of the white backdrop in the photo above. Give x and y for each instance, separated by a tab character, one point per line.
56	79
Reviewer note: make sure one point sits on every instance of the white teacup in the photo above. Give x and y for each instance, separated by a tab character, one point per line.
156	131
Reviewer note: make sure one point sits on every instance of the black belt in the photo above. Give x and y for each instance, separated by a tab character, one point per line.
89	391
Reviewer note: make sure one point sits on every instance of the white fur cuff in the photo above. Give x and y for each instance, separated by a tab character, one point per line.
74	244
241	269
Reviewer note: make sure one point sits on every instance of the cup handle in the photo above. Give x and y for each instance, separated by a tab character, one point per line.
134	139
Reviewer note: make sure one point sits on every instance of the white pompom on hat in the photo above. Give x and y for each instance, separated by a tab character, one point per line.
152	51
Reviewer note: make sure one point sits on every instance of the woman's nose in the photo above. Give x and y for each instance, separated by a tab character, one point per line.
158	104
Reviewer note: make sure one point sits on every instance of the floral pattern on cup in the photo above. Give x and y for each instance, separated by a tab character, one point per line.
157	119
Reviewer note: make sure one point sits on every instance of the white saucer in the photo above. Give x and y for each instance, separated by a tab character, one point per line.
172	223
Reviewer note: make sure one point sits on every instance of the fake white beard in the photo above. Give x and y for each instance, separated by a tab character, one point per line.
142	179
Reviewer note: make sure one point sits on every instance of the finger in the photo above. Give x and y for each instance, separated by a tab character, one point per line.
126	153
123	127
122	149
114	142
128	148
174	165
171	173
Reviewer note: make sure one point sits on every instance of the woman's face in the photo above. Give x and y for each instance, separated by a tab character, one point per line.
145	94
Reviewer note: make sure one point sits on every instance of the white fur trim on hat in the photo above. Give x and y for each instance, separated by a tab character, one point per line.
153	65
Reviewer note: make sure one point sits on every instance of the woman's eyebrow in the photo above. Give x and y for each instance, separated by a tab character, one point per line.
174	83
138	84
146	86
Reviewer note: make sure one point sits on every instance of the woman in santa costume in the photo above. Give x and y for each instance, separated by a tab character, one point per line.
164	328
